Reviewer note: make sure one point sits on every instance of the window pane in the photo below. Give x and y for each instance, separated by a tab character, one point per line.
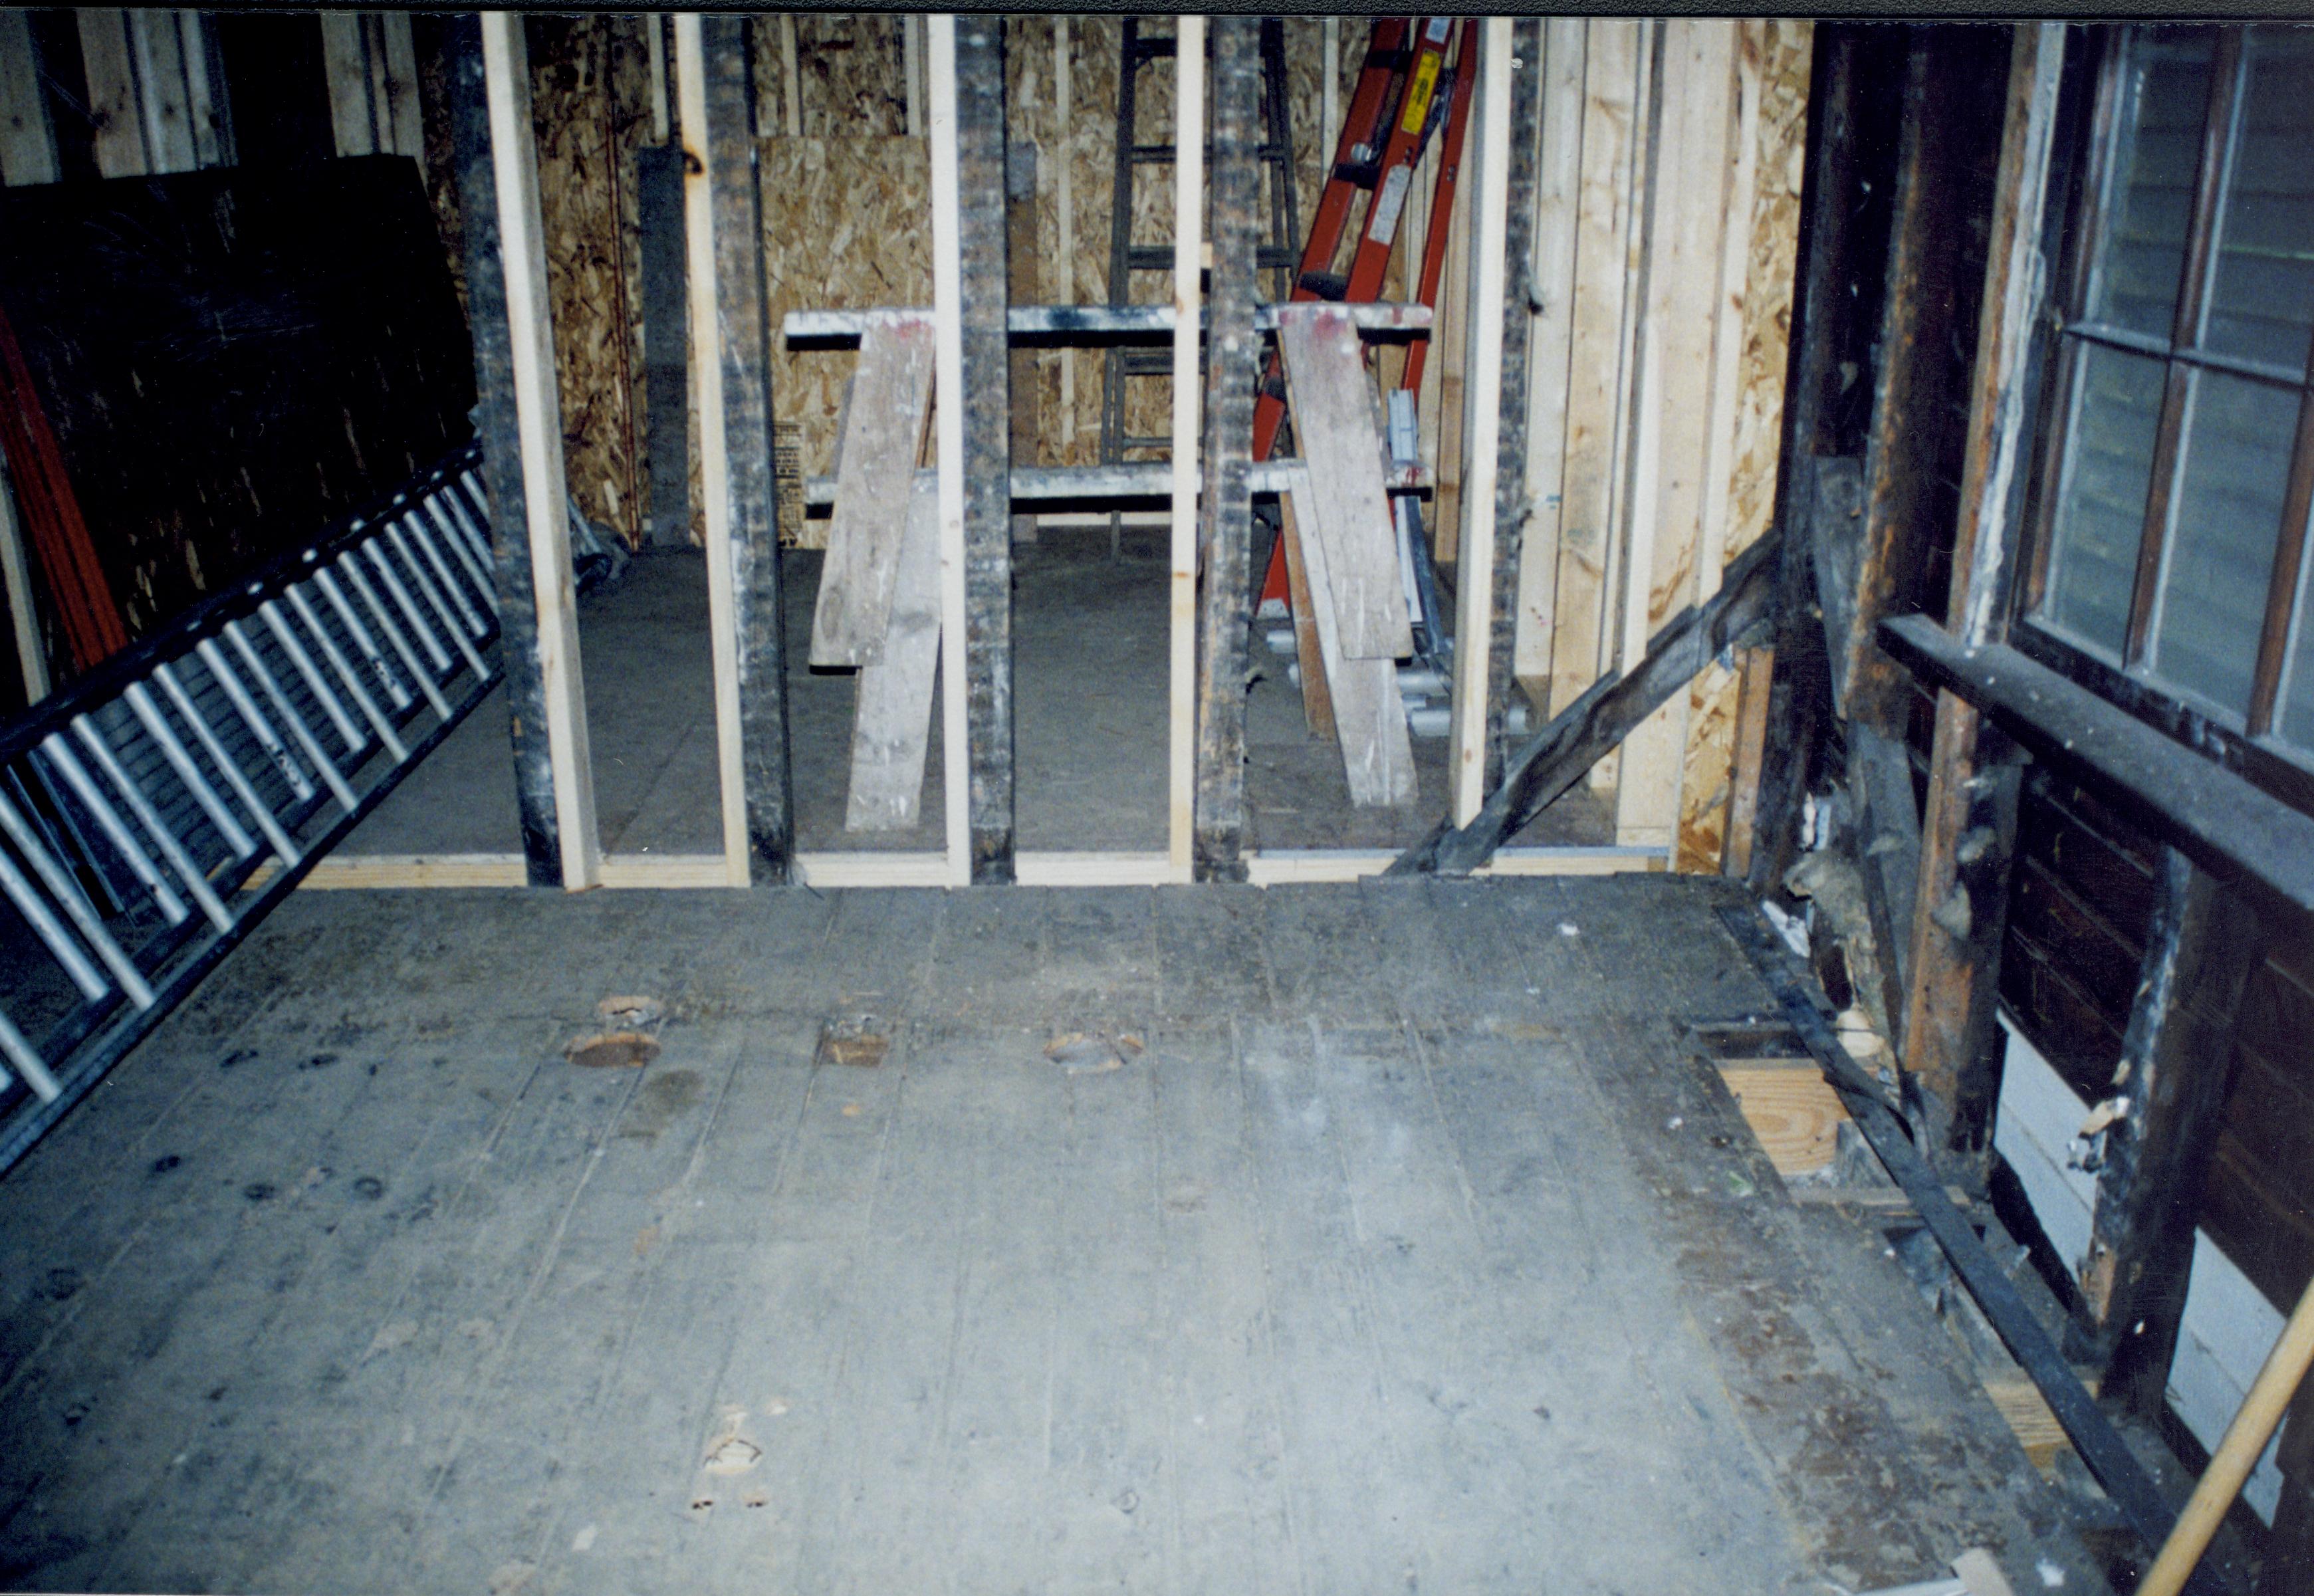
2262	294
2164	95
2227	516
2100	513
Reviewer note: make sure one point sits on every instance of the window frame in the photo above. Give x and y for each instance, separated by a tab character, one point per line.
2246	742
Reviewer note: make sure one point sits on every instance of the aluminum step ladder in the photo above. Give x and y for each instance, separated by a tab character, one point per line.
152	811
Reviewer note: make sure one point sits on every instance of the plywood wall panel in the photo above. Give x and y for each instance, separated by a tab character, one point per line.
847	225
591	109
1782	49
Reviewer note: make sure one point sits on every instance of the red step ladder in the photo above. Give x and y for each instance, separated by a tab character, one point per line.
1393	114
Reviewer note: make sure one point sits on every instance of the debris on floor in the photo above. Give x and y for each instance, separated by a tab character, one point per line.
860	1041
613	1050
632	1013
1093	1053
1975	1574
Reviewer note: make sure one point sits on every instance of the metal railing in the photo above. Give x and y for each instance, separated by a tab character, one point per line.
153	810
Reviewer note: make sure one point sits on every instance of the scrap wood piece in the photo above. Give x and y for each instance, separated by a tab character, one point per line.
882	435
1369	716
1791	1109
2028	1418
1317	703
892	722
1347	513
858	1041
1591	727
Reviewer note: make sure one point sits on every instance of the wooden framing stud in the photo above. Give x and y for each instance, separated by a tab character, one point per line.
27	139
503	466
983	400
2170	1089
730	334
538	422
1950	1048
1225	519
1475	669
949	439
1181	739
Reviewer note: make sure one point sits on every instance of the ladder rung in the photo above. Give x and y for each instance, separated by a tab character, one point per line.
1159	257
1358	175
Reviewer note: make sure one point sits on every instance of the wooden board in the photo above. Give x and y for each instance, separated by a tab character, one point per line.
1688	204
118	134
159	48
28	149
539	420
1477	572
1346	512
1186	421
875	469
1614	92
892	725
1557	190
1317	703
1793	1111
1369	716
2027	1413
345	64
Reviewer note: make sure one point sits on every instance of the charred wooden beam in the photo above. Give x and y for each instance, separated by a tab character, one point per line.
1951	1050
1799	697
1950	1047
1225	514
987	404
1595	724
2228	827
495	424
743	319
1511	507
1912	386
2170	1090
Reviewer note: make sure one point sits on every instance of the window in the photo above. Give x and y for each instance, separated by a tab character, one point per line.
2174	516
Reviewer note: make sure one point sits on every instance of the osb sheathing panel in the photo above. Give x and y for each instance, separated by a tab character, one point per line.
847	226
1784	60
850	68
590	110
590	107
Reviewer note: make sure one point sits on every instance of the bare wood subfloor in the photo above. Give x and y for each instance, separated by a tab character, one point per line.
1411	1253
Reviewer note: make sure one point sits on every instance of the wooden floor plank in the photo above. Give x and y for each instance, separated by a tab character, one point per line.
1364	1532
1231	1476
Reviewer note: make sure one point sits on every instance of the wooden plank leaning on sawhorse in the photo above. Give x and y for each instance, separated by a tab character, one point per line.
1346	508
877	449
1369	716
892	721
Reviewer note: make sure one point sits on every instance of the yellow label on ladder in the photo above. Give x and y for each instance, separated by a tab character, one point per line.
1418	92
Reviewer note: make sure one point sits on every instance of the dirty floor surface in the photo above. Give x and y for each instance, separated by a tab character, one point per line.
1089	646
1369	1237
